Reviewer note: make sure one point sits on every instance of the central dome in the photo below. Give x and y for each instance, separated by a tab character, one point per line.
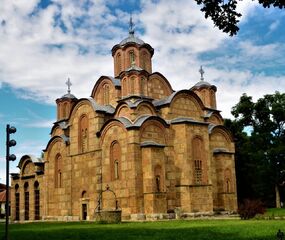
131	39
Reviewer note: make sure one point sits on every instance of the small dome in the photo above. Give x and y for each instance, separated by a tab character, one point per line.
202	84
131	39
68	95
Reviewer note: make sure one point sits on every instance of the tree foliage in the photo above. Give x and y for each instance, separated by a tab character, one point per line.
259	130
224	13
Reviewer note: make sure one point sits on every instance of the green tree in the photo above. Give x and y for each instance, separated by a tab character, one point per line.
224	13
260	147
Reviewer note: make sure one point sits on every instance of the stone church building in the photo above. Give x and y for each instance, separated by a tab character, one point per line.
157	149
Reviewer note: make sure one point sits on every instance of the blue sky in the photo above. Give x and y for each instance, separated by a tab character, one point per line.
42	43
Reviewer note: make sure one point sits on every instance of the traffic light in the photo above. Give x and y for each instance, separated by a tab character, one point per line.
10	143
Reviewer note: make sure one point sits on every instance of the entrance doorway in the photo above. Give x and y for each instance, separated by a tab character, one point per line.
84	211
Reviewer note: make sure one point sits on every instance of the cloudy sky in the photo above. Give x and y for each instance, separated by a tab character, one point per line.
43	42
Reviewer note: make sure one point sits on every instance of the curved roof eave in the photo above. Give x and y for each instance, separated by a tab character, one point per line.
142	119
52	139
164	78
211	112
63	124
168	100
116	82
211	128
126	123
129	125
33	158
96	107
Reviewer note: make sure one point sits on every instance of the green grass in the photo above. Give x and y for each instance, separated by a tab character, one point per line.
168	230
275	212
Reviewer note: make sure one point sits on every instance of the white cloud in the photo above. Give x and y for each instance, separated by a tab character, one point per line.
40	124
258	51
273	26
176	29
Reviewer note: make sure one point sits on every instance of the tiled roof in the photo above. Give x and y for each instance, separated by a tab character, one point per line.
3	196
104	108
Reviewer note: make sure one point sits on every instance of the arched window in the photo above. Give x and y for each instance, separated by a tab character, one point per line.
198	160
65	110
17	203
132	58
83	134
115	160
158	178
228	180
124	87
58	172
27	201
116	169
106	94
142	85
144	59
213	99
228	186
37	200
119	63
84	194
132	85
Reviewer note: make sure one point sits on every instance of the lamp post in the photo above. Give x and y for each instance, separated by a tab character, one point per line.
9	157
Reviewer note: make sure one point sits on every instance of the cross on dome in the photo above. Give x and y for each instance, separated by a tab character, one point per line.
68	83
201	71
131	26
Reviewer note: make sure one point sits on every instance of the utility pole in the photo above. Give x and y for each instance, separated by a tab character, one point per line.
9	157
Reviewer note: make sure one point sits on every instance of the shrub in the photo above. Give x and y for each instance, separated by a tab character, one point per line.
249	208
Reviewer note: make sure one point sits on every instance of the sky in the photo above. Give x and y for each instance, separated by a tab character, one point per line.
45	42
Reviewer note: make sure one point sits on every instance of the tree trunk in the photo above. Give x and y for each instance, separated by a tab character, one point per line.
278	205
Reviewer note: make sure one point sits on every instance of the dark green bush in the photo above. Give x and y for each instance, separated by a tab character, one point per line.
250	208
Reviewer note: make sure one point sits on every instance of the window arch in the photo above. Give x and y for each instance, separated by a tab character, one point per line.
17	203
132	85
27	200
65	110
197	145
144	59
115	153
58	172
84	194
132	58
213	99
37	200
106	94
228	187
124	87
119	63
83	134
142	85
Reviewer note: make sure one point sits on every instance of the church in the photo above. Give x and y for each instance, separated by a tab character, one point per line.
157	151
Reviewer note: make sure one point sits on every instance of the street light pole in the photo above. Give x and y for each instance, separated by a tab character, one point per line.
12	157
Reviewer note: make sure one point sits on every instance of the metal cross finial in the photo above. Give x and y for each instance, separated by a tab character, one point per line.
131	26
68	83
201	71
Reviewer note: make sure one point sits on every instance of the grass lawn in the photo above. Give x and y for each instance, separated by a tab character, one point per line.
275	212
168	230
